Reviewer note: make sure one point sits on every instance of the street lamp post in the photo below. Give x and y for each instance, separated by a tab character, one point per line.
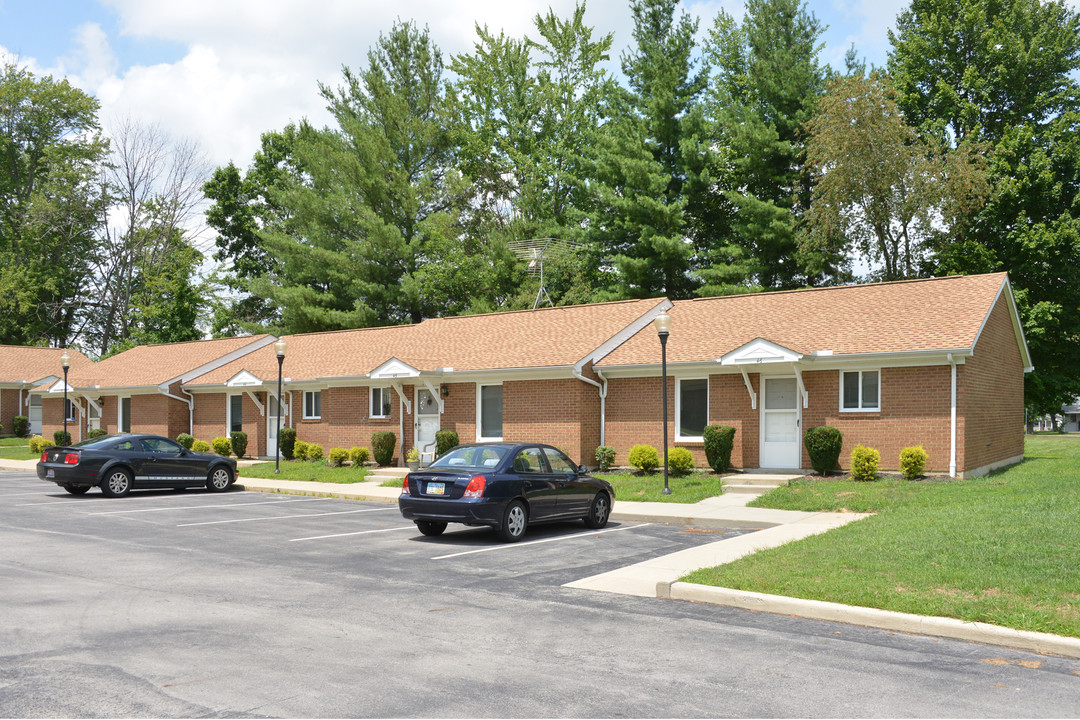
663	327
279	347
65	360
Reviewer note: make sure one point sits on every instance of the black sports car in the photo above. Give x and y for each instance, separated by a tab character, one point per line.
120	463
506	486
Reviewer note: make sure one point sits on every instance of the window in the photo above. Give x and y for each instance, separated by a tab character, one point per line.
491	411
312	404
69	411
125	415
560	464
692	408
380	402
161	446
860	391
236	413
529	460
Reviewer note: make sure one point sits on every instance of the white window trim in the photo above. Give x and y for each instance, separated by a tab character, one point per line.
305	404
860	409
120	413
228	411
678	407
74	413
371	402
479	424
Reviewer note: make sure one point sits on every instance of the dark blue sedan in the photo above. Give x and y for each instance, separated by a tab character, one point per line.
506	486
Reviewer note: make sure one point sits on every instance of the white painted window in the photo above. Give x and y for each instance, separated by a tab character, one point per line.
860	391
380	402
123	410
691	408
312	404
489	412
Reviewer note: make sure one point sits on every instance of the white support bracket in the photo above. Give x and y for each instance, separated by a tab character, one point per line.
401	394
283	409
749	389
802	388
435	394
93	404
262	408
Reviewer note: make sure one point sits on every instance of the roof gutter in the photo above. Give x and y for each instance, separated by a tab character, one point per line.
189	401
603	392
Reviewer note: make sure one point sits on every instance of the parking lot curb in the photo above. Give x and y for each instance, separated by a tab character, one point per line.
872	617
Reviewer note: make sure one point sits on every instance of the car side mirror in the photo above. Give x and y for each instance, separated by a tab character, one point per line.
582	469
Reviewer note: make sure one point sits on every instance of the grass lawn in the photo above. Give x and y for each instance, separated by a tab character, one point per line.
14	441
1000	549
689	488
314	470
17	449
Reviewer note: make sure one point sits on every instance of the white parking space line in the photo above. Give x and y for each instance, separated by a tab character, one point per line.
510	546
67	501
286	517
201	507
362	532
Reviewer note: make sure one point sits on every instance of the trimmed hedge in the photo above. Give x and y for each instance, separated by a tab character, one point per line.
96	433
38	444
287	441
680	460
444	440
913	461
185	440
382	446
719	441
61	437
20	425
823	445
864	463
359	455
200	446
300	450
644	458
239	440
337	457
605	457
222	446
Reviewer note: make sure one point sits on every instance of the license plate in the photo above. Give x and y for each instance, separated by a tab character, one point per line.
50	473
436	488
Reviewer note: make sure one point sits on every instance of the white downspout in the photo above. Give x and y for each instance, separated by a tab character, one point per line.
401	425
952	420
603	394
191	411
190	403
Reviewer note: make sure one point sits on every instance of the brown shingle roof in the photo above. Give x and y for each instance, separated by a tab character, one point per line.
30	364
147	365
935	314
548	337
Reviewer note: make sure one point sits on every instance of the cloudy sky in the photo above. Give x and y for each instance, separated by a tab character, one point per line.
223	71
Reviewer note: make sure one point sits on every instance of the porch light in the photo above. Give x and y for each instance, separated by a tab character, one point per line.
279	348
663	327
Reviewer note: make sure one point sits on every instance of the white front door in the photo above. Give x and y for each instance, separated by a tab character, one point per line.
272	422
95	417
35	415
427	420
780	423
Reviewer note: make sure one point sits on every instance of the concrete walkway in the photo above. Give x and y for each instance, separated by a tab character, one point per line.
659	577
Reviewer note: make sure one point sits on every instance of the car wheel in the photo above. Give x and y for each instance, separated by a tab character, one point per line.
599	511
77	489
430	527
117	484
514	522
219	479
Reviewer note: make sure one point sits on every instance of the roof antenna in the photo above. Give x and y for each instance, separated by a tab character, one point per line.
533	252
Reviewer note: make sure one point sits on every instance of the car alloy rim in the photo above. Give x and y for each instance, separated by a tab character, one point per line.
516	522
221	479
118	482
601	508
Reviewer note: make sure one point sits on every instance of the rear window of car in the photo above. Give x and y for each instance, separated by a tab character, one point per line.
475	457
98	442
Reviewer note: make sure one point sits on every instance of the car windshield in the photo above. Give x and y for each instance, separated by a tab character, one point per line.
472	457
98	441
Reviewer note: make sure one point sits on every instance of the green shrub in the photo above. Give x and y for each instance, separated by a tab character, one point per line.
359	455
286	442
62	437
21	425
644	458
300	450
314	452
864	463
200	446
338	456
413	455
823	445
913	461
680	460
96	433
239	441
444	440
605	457
185	440
222	446
719	441
382	446
38	444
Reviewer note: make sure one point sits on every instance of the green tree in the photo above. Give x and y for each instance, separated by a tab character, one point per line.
1003	72
766	83
51	204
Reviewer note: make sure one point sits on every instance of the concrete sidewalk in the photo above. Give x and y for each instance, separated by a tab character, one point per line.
659	577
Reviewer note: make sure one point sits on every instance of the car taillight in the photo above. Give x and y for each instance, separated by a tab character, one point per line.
405	486
71	459
44	457
476	487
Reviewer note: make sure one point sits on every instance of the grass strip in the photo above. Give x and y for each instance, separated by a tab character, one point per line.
689	488
304	470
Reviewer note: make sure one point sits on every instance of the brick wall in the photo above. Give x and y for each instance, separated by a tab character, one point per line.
564	413
990	389
9	408
52	418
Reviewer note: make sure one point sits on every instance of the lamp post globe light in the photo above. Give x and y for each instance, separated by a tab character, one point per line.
279	348
65	360
663	327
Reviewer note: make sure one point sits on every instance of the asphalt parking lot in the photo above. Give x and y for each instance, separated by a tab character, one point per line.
184	604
